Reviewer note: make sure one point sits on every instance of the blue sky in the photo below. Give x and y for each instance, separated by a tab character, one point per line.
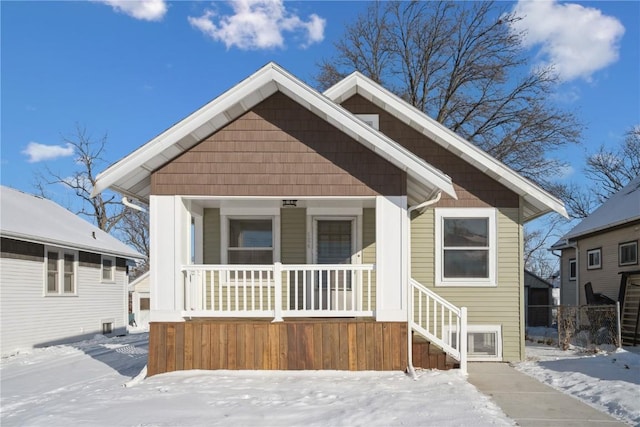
132	69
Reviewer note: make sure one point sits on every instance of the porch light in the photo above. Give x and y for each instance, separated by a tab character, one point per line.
289	203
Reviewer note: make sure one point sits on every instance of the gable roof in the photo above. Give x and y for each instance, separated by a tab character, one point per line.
537	201
35	219
621	208
131	175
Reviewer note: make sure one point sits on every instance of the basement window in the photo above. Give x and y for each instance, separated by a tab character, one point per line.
484	342
107	328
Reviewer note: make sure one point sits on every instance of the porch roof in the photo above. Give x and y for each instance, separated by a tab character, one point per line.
537	201
131	176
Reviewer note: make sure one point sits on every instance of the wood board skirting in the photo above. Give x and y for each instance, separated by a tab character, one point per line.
345	344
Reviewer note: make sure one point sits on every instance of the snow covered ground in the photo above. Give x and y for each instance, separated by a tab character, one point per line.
82	384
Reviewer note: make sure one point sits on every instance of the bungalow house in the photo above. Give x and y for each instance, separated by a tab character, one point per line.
603	250
61	278
292	229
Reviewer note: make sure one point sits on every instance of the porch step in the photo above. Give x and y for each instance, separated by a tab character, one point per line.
429	356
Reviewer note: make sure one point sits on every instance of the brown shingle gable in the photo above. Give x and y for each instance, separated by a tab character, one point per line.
474	188
279	149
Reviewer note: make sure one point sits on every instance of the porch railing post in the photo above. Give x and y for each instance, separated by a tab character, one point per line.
462	336
277	283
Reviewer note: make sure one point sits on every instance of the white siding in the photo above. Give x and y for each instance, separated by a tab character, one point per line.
29	319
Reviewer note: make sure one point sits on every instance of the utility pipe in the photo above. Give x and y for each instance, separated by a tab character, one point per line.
421	207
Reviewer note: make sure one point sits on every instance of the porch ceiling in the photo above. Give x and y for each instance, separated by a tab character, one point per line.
131	176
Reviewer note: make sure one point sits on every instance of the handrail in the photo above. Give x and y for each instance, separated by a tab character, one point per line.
439	321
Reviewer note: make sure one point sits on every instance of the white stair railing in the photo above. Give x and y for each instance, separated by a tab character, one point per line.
439	321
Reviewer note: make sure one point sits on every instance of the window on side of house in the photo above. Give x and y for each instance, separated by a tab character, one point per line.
250	241
108	268
60	276
628	253
572	269
372	120
466	247
594	259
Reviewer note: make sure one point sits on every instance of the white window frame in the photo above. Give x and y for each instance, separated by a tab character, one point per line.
597	265
372	120
111	279
60	271
622	245
573	262
485	329
444	213
228	214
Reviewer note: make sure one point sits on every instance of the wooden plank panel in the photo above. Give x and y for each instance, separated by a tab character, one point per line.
274	346
370	345
353	346
362	353
386	347
195	345
249	346
179	346
188	345
327	350
377	346
162	343
171	348
214	340
231	341
396	343
403	346
283	347
343	350
154	348
240	346
205	346
317	346
306	346
292	347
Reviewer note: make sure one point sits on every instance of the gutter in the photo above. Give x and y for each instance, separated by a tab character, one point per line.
421	208
128	204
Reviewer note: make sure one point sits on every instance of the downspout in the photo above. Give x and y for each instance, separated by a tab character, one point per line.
421	207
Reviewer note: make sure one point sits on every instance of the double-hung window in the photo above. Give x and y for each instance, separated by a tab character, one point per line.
60	276
250	241
466	247
628	253
108	268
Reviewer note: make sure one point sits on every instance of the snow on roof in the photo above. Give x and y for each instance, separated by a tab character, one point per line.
621	208
36	219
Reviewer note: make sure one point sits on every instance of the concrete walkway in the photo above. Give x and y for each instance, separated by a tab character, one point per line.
531	403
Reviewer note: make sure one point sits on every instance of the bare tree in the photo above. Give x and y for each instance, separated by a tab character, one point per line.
105	210
607	171
462	64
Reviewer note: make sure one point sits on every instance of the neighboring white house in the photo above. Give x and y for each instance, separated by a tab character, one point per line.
140	301
61	278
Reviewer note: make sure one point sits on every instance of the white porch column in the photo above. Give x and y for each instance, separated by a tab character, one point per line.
169	231
391	258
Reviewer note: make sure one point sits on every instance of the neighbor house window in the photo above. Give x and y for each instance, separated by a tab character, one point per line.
572	269
466	247
108	269
61	272
628	253
250	241
594	259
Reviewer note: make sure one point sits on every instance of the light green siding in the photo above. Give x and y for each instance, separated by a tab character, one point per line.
211	241
293	236
500	305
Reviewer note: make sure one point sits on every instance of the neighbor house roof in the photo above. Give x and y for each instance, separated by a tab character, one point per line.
131	175
36	219
621	208
537	201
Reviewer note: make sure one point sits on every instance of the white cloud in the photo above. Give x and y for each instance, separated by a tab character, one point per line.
576	40
38	152
258	24
146	10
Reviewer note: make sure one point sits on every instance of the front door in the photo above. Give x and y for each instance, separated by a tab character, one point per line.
334	243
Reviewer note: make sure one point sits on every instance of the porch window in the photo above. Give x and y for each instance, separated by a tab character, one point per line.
250	241
466	247
60	272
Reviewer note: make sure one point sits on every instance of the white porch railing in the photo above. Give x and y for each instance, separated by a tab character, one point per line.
278	290
440	322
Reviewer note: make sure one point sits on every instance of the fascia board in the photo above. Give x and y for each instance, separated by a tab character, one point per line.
446	138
